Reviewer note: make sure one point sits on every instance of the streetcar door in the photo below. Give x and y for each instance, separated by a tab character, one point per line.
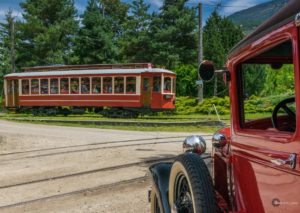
146	91
9	93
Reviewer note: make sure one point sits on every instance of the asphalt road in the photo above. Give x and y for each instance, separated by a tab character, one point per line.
72	169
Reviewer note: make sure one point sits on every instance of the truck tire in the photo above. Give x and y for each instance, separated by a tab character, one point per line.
190	186
155	206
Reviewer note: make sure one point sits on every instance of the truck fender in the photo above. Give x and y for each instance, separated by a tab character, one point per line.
160	173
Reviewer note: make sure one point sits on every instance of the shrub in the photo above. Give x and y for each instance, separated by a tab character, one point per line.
188	105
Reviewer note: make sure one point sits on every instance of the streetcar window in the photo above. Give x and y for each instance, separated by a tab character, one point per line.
131	85
119	85
25	87
34	86
85	85
156	84
96	85
74	85
64	86
44	86
107	85
146	86
54	86
167	84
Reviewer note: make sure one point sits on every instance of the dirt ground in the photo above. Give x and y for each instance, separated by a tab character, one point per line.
72	169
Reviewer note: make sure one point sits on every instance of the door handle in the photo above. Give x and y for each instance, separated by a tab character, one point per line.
291	161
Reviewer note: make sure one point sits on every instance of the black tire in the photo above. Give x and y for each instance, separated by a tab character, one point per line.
155	205
190	186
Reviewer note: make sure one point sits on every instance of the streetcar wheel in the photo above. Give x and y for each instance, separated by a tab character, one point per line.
35	111
66	112
155	206
190	186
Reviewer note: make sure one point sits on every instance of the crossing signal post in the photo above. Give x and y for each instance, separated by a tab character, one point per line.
200	52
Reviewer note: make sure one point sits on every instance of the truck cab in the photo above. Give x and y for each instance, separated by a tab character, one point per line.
255	161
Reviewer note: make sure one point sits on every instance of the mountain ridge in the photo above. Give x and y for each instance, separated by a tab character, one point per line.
251	17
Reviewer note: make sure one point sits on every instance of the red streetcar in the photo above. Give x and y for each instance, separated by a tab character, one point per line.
111	89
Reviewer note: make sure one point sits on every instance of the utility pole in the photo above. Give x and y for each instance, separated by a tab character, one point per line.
12	47
103	10
200	52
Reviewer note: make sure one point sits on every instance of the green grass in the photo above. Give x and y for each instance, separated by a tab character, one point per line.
159	118
194	129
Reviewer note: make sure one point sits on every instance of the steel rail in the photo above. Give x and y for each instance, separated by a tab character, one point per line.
90	189
94	144
86	150
139	163
123	123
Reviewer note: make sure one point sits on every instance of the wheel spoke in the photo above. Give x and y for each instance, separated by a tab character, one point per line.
183	199
289	111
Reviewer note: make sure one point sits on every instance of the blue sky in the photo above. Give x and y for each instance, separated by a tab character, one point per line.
227	6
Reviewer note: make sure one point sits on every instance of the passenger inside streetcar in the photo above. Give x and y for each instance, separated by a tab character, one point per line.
96	89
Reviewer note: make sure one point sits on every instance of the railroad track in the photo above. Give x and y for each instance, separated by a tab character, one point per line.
98	143
90	149
81	191
121	145
139	163
51	180
90	189
123	123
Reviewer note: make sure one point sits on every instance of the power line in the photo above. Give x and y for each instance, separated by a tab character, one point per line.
215	4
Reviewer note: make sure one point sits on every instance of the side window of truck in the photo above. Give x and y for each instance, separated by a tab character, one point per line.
267	95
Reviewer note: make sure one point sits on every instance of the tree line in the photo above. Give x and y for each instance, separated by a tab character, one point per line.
111	31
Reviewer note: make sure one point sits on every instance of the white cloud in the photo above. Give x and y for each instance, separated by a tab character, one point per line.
157	3
80	8
233	6
16	14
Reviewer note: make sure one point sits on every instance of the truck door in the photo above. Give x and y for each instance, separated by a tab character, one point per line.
265	141
146	91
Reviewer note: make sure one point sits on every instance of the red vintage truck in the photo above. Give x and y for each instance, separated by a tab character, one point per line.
255	161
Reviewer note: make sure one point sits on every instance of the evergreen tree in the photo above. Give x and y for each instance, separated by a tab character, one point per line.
7	46
47	32
174	39
115	12
135	41
219	36
95	41
215	43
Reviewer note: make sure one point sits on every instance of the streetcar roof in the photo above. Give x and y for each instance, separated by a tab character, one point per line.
90	72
